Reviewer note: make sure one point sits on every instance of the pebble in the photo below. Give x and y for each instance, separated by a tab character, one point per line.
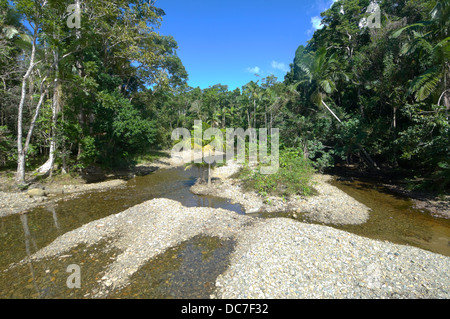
273	258
328	265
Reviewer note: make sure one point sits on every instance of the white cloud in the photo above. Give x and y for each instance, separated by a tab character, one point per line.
316	23
280	66
255	69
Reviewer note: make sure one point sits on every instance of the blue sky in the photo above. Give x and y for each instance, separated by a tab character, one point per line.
229	41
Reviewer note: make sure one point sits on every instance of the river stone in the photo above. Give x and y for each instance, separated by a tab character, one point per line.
55	190
36	192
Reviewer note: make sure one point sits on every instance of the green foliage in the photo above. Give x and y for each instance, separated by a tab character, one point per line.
321	157
293	177
90	152
428	138
6	146
122	89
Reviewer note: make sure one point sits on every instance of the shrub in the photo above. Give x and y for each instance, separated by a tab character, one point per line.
293	177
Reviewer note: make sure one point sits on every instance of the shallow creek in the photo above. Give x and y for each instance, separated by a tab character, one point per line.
186	271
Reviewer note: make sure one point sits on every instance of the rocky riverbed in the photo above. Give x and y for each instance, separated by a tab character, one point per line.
19	202
329	206
14	201
273	258
283	258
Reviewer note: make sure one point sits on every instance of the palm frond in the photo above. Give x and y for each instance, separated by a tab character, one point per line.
328	86
418	25
425	84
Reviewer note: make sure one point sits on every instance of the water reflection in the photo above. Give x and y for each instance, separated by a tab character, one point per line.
44	224
30	248
52	210
29	238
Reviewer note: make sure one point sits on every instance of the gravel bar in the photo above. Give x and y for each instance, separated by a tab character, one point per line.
273	258
329	206
141	233
282	258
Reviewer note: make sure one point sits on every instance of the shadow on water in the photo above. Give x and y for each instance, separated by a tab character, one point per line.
394	219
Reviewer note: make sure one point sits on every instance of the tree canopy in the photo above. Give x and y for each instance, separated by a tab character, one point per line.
113	88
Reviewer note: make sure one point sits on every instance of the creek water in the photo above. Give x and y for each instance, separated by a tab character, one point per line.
394	219
186	271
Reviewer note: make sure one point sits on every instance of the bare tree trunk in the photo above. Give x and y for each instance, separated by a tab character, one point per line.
394	118
223	118
446	98
81	115
254	109
209	175
47	167
337	118
21	151
305	150
271	121
64	149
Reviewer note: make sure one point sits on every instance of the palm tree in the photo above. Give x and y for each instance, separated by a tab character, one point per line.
322	73
254	91
206	146
431	38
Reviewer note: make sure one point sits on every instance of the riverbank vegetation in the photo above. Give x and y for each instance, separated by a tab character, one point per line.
108	92
294	177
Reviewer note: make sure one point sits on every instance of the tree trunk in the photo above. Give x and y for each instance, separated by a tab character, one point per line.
370	160
445	97
337	118
223	118
254	110
47	167
305	150
79	67
209	170
271	121
64	149
21	152
209	175
265	116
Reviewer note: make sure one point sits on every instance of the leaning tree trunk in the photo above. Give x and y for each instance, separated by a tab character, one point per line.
368	157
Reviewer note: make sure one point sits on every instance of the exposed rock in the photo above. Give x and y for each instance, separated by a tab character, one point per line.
36	192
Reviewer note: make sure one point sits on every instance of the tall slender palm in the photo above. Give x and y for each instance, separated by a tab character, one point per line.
322	74
254	91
